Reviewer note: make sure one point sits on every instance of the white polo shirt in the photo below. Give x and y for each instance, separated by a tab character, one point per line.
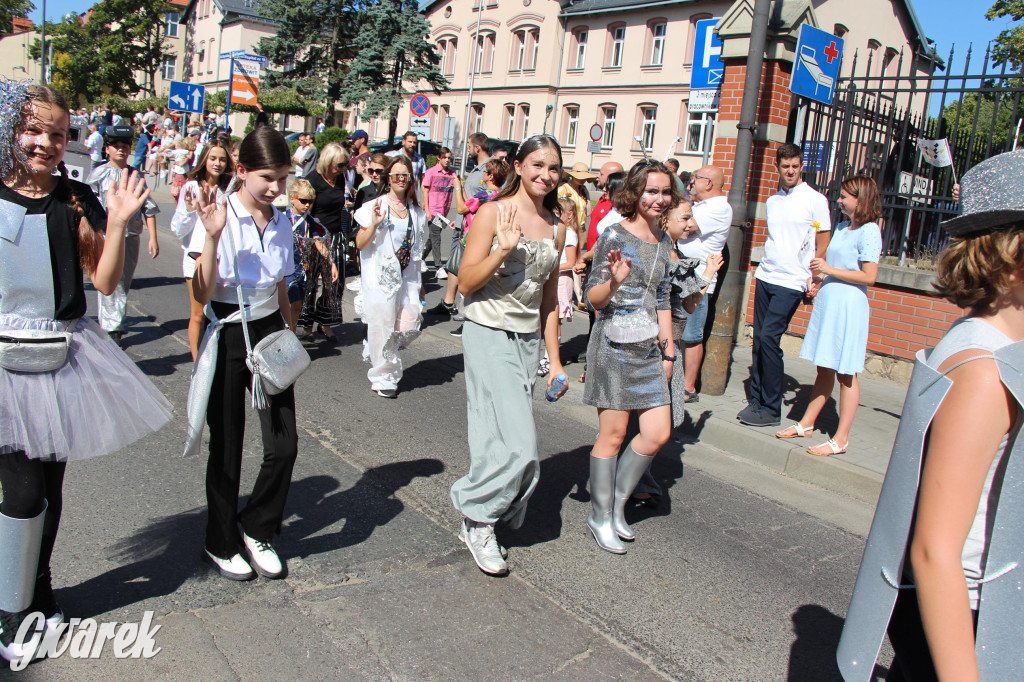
714	218
794	220
261	262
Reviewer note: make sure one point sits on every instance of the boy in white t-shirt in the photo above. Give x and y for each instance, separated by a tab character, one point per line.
799	228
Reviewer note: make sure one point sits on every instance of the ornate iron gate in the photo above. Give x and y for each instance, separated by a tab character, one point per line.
873	122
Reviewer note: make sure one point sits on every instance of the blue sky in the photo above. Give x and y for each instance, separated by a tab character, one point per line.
944	21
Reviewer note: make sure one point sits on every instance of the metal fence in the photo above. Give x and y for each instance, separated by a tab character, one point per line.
872	125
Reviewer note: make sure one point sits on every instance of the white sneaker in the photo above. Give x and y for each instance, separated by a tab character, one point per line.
263	557
483	546
423	266
442	273
235	568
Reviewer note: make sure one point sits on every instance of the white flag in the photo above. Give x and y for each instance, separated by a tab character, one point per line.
935	152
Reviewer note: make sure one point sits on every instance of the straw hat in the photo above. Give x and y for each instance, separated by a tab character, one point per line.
990	195
580	171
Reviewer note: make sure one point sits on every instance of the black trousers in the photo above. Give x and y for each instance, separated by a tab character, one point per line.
912	660
262	514
774	307
26	483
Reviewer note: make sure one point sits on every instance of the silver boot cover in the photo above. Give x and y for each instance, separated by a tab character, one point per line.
20	540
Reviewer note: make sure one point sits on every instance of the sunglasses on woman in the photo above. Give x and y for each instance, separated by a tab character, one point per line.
376	171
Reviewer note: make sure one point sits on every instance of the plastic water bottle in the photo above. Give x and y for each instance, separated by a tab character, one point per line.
557	387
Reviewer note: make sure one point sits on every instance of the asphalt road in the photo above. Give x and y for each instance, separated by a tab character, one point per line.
741	574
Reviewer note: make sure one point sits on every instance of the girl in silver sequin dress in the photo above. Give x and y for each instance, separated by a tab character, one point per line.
630	354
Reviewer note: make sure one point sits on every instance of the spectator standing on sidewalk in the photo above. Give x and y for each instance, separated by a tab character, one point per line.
438	184
357	146
94	142
952	501
798	231
837	335
114	306
510	281
713	215
305	157
320	127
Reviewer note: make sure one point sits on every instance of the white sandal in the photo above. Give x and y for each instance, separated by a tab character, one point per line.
832	445
801	431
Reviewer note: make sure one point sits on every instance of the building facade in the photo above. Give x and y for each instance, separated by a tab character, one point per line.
562	67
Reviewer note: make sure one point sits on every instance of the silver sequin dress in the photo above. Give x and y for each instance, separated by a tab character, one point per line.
624	365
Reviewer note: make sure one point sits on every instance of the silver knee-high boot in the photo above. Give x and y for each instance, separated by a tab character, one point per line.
20	541
602	494
631	469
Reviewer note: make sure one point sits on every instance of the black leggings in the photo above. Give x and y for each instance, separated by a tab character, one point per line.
26	483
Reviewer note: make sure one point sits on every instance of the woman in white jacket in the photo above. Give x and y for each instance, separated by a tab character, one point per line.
390	237
214	168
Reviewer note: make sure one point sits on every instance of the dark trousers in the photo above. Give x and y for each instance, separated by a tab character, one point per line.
434	244
26	483
912	661
774	307
262	514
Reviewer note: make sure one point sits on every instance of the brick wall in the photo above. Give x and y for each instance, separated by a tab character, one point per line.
902	320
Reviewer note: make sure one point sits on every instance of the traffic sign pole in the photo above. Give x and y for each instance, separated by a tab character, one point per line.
231	81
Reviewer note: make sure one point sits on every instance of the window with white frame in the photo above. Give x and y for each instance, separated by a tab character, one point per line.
699	126
447	47
478	117
171	24
618	46
609	127
485	52
518	50
657	44
524	112
535	49
572	125
510	121
581	49
649	117
211	60
168	69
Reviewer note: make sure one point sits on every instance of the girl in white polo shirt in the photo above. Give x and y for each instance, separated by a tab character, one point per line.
246	240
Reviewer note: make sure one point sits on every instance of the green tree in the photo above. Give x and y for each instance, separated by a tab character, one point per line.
118	39
313	45
391	51
11	10
971	108
1008	47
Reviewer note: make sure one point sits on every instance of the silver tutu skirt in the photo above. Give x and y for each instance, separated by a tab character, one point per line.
624	376
96	404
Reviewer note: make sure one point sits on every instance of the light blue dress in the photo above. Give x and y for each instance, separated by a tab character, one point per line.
837	336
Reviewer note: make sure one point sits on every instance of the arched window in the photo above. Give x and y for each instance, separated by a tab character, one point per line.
578	48
570	125
615	46
656	32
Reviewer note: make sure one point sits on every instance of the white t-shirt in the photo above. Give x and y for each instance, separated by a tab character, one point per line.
307	154
610	218
571	239
714	218
95	144
180	164
261	262
794	220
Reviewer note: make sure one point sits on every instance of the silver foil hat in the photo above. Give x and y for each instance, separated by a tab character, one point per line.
13	95
991	195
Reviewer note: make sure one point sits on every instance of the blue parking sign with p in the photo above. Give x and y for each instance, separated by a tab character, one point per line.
708	66
186	97
819	56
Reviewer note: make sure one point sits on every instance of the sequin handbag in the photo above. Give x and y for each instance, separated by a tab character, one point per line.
33	350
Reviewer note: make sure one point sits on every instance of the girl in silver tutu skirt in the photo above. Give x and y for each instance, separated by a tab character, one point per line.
68	391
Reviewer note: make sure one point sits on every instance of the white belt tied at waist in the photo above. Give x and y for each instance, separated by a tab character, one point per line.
206	362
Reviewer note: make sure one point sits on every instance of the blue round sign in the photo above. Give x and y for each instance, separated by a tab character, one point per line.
420	105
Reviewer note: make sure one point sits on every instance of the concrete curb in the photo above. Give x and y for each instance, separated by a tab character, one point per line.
783	457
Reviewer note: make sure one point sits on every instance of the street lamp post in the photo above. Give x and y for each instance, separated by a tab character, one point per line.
477	53
42	47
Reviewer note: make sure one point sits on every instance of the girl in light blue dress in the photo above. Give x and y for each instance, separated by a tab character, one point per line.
837	335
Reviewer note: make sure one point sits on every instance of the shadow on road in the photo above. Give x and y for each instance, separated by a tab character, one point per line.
367	505
161	556
432	372
812	657
157	281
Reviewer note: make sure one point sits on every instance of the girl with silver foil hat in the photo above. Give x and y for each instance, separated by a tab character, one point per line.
69	392
943	569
